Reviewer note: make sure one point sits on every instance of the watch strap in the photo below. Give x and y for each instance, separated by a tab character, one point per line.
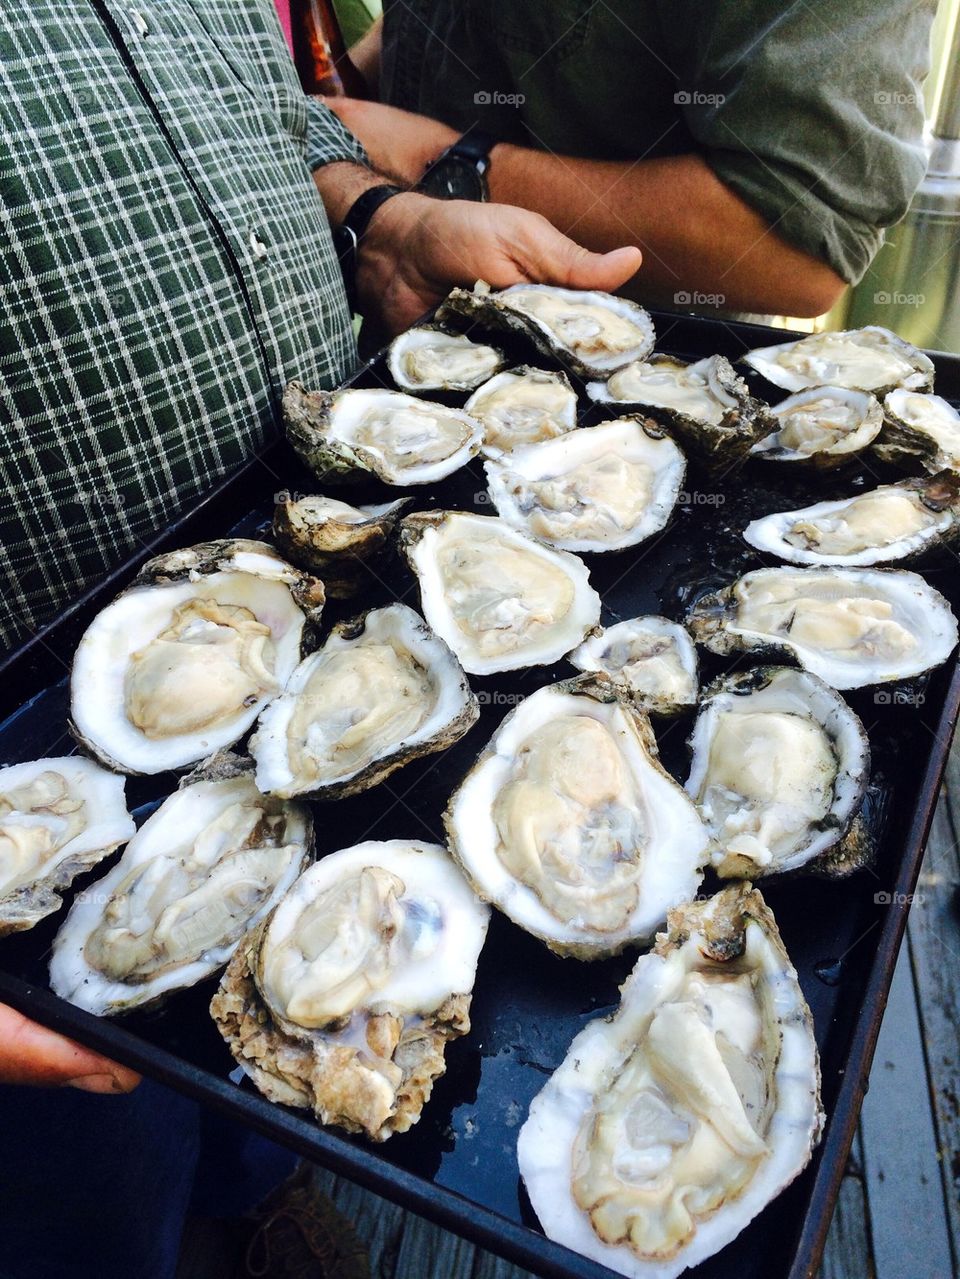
347	237
475	145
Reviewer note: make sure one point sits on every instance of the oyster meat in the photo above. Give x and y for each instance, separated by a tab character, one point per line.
601	488
590	333
183	662
58	818
344	1000
382	691
570	825
428	358
671	1124
869	359
522	406
886	524
706	405
825	427
779	768
851	626
919	428
210	863
500	599
652	658
353	434
335	540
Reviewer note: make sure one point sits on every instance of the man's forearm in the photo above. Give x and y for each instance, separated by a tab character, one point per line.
341	183
696	234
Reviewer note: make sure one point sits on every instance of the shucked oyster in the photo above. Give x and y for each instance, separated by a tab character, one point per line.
652	658
182	663
779	767
924	428
890	523
825	427
382	691
590	333
347	435
705	405
343	1001
670	1125
601	488
58	818
500	599
870	359
569	824
212	860
336	541
522	406
850	626
428	358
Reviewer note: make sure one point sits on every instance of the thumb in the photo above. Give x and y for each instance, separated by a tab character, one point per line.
556	259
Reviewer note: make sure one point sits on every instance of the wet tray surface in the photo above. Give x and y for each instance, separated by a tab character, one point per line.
458	1164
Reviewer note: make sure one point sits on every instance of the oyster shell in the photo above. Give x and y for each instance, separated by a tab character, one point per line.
653	659
183	661
601	488
343	1001
210	863
824	427
851	626
349	435
382	691
570	825
890	523
671	1124
501	600
58	818
869	359
589	333
706	405
779	768
336	541
428	358
522	406
919	428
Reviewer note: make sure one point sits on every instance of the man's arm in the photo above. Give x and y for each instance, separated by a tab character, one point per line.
31	1054
697	235
417	248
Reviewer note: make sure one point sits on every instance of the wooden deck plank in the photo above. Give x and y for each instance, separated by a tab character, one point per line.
905	1194
849	1252
379	1223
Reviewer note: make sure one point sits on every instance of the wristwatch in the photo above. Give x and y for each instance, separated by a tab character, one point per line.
460	172
347	237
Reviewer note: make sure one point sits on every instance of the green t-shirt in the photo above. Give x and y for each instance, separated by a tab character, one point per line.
810	111
165	268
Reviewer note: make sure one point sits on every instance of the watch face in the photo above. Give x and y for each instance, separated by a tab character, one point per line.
453	178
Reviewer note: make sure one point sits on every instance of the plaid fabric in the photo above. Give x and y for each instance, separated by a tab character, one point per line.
165	268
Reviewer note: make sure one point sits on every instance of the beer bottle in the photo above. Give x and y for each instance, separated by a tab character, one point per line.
319	52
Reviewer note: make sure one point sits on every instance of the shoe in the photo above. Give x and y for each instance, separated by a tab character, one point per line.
298	1233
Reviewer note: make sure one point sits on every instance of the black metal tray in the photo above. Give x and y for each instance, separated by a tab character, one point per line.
458	1165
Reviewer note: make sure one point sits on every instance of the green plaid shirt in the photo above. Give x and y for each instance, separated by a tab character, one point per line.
165	268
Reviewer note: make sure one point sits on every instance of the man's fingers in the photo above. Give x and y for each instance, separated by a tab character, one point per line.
547	255
31	1054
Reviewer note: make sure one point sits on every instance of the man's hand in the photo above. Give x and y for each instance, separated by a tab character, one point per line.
31	1054
397	142
417	248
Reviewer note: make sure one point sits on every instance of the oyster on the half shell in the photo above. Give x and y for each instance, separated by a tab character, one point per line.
522	406
428	358
919	428
344	1000
571	826
652	658
184	660
779	768
207	865
335	540
824	427
869	359
671	1124
383	690
58	818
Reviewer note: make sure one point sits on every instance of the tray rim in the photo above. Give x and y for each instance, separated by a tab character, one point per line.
448	1208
